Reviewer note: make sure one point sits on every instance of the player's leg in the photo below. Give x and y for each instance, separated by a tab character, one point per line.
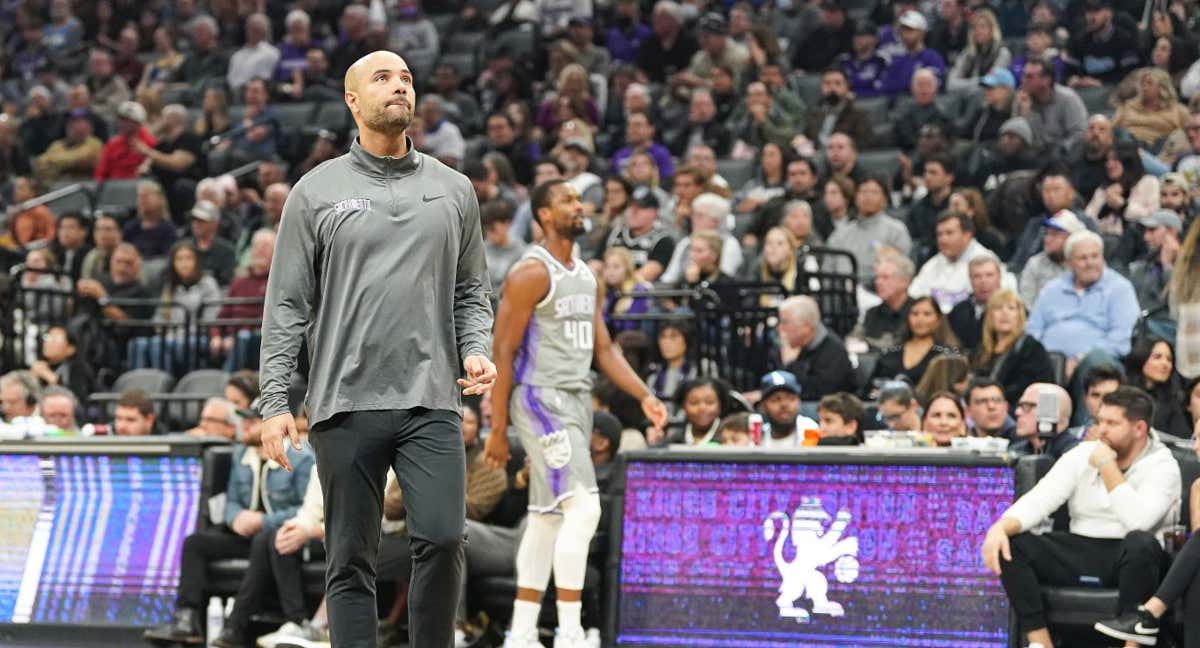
581	514
534	560
431	467
353	450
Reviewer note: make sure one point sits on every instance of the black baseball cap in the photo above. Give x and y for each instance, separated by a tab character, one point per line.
644	197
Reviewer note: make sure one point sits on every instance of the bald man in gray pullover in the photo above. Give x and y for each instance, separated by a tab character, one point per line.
380	266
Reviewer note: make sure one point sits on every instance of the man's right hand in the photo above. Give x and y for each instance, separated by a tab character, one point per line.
290	538
995	545
495	450
247	523
273	431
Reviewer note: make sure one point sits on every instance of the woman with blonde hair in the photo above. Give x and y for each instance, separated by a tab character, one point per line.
1154	112
619	285
777	265
574	86
1006	354
642	171
985	51
1184	299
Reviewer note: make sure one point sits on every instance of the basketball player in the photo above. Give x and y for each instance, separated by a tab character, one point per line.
548	332
380	266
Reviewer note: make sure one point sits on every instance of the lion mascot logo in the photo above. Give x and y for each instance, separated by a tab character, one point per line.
816	546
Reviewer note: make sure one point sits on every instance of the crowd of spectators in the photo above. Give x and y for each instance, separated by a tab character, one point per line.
1016	184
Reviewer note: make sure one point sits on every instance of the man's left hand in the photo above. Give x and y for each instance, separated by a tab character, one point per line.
290	538
481	374
1101	455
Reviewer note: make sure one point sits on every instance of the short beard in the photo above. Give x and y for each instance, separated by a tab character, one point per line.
382	122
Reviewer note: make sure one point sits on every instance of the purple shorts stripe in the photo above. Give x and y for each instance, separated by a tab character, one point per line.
525	352
557	476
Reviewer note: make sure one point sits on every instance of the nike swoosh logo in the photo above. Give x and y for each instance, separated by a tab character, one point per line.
1141	629
425	198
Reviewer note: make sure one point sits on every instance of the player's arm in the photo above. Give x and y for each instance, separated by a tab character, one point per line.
611	362
526	285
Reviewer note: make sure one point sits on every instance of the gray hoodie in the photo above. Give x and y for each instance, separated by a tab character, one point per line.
380	264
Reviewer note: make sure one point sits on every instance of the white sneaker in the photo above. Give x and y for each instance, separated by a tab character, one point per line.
529	640
571	639
460	639
295	634
593	637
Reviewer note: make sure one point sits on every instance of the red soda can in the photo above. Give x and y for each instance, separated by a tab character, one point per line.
756	428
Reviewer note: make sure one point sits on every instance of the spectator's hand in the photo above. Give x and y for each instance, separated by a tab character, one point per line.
1092	433
758	111
995	545
1114	196
290	538
258	133
749	203
1072	365
90	288
1169	251
42	371
692	274
273	431
495	449
803	146
655	436
247	523
140	146
1024	103
521	479
1102	454
655	411
144	167
251	195
481	374
906	168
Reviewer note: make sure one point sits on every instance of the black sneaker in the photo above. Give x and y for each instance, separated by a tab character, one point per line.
1139	627
184	628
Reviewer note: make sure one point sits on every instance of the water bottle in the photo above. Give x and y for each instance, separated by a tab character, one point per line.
215	619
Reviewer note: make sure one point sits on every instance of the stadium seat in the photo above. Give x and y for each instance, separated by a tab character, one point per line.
117	195
151	381
520	42
332	115
735	172
1095	99
865	367
1058	363
809	88
1080	607
884	162
443	22
464	43
80	200
463	62
294	115
202	384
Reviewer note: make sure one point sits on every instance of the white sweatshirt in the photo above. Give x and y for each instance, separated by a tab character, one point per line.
1148	500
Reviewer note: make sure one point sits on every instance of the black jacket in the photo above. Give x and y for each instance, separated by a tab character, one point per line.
967	328
824	369
1027	363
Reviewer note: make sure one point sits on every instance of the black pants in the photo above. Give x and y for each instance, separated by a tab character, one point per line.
354	451
1134	565
1183	580
269	571
199	549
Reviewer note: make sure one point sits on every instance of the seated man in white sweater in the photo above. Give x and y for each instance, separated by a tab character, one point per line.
945	276
1120	490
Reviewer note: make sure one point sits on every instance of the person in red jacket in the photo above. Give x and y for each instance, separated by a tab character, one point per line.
125	151
239	344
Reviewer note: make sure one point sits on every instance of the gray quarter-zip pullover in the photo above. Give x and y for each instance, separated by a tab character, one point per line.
380	264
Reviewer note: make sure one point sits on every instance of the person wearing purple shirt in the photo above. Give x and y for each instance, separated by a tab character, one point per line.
625	37
639	133
150	232
898	76
863	65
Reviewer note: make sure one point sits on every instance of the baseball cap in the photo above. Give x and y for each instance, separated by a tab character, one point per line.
206	210
133	111
578	144
1064	220
914	20
998	77
713	23
1163	218
644	197
609	427
579	20
777	380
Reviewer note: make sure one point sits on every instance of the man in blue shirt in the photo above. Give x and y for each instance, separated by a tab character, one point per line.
1086	313
898	76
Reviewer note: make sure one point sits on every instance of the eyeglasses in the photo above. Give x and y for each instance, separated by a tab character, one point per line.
1026	406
